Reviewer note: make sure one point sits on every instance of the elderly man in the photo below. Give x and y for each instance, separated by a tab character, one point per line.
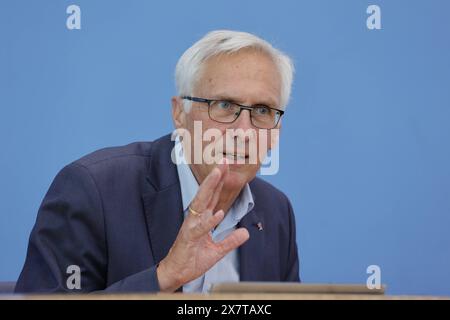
146	218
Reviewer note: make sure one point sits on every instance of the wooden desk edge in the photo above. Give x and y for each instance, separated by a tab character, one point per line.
217	296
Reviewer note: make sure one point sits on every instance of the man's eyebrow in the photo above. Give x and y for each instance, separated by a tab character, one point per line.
225	97
237	100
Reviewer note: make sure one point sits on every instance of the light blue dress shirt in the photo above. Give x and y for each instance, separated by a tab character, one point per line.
227	269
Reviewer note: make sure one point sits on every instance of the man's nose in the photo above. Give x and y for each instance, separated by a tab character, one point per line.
244	120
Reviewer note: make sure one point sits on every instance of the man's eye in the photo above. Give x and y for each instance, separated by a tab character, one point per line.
262	110
224	105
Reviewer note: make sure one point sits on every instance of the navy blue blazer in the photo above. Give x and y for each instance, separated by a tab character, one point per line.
116	212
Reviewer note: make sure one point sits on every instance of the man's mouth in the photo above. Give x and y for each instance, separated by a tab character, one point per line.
234	156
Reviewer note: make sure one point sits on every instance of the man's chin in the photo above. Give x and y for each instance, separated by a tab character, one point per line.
236	179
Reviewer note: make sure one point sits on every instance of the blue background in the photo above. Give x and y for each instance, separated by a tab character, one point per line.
365	144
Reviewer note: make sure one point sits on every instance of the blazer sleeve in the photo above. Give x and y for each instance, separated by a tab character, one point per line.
292	270
70	231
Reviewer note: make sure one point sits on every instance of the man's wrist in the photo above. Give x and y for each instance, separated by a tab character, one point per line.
168	281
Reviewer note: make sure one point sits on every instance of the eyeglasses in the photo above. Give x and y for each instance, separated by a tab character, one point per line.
223	111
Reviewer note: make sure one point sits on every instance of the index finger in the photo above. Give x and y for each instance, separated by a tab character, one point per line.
208	186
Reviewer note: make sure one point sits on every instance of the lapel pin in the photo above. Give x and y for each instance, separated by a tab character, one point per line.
260	226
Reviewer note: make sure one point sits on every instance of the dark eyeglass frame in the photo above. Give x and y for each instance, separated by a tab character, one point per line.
241	107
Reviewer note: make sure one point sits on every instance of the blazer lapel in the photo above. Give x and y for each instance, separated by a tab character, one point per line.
251	253
162	199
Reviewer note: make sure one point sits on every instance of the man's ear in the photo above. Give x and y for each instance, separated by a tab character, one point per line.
178	113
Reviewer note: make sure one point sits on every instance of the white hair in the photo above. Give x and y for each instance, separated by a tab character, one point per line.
188	69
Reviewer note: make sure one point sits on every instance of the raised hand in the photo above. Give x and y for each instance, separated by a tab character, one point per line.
194	252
